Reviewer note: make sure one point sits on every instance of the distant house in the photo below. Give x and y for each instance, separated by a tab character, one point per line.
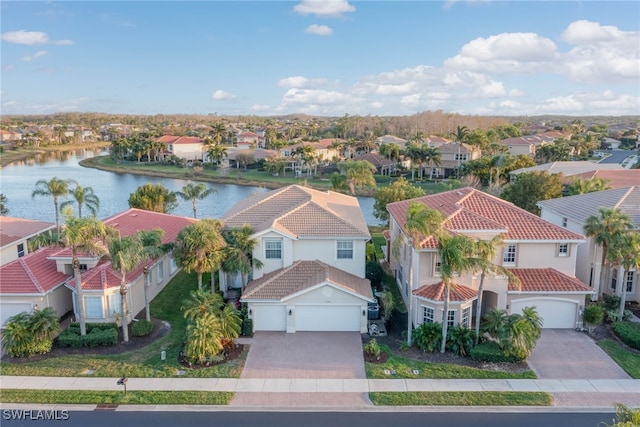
14	235
528	144
383	165
572	212
615	178
247	139
567	169
541	254
185	147
452	156
312	247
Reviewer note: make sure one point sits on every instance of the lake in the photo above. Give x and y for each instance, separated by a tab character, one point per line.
18	180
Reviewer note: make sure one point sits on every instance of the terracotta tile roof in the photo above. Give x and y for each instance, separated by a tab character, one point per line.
546	280
615	178
568	168
303	275
133	220
300	212
103	276
33	273
468	209
582	206
171	139
375	159
15	229
435	292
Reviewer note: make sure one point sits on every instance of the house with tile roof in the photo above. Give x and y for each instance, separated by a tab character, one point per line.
572	213
615	178
452	156
567	169
45	277
15	233
185	147
542	255
312	245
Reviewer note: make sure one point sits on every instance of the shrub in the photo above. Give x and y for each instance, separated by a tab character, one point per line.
611	302
29	333
613	316
490	351
96	338
428	337
247	327
593	315
460	340
372	348
629	333
141	328
374	272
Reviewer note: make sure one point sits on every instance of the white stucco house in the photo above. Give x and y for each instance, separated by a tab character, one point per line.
312	246
185	147
542	255
572	212
15	234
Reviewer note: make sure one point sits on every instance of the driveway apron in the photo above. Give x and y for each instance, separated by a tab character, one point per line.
567	354
303	355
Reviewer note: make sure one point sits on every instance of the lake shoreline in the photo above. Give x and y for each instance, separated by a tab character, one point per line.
9	156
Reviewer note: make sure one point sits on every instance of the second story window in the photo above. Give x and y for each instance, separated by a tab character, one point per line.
509	256
564	222
21	250
629	281
273	249
345	249
614	278
563	249
437	268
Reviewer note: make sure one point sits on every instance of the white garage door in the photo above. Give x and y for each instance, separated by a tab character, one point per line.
557	314
268	318
9	309
328	318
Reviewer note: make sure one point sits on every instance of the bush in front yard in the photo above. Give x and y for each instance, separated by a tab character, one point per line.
428	337
98	337
629	333
141	328
593	315
460	340
491	352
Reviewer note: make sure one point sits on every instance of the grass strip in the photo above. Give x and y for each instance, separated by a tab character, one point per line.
627	360
116	397
404	369
460	398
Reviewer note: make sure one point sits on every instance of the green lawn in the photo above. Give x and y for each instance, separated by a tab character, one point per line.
627	360
141	363
404	369
461	398
69	397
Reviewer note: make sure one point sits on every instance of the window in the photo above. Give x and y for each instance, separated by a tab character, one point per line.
614	278
400	274
629	281
93	307
273	249
427	314
564	222
563	249
509	255
115	301
172	265
466	316
450	318
462	157
21	250
437	268
345	249
160	271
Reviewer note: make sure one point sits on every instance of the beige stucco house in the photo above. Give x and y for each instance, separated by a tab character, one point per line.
312	247
542	255
185	147
15	234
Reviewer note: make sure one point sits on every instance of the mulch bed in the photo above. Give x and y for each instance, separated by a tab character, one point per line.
231	352
369	358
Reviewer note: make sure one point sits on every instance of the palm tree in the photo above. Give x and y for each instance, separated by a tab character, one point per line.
455	254
126	254
44	323
603	228
84	235
360	174
84	196
239	253
216	152
201	303
525	329
484	253
152	247
624	252
3	205
422	222
432	156
195	192
583	186
204	339
55	188
217	133
414	152
461	134
199	247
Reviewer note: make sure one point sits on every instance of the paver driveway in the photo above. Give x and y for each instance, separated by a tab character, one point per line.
323	355
567	354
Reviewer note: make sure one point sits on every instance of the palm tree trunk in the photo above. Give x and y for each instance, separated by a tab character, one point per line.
123	307
445	318
199	281
603	273
622	284
479	307
79	297
409	302
146	295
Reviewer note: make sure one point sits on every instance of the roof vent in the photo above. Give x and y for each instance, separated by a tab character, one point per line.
460	193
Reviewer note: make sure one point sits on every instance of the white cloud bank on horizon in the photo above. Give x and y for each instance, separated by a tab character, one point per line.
31	37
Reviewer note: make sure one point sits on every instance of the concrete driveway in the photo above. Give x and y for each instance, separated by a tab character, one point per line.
567	354
304	355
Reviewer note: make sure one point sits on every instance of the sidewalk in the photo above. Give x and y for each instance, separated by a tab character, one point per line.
567	393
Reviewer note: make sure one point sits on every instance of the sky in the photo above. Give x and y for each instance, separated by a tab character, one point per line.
321	57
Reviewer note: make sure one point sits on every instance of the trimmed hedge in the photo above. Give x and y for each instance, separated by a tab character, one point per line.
490	352
629	333
96	338
75	326
141	328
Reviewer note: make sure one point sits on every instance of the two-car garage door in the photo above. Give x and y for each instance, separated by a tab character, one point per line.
556	314
307	317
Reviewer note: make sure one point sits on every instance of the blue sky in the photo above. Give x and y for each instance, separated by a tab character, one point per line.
318	57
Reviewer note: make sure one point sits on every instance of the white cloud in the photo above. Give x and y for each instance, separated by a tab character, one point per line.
300	82
31	37
377	104
399	89
221	94
329	8
38	54
320	30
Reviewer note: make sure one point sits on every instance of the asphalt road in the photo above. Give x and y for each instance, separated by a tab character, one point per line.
617	156
311	419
